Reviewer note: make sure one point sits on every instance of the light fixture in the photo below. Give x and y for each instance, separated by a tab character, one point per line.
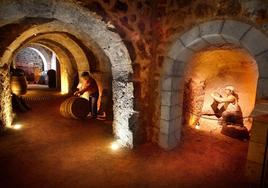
115	146
17	126
197	126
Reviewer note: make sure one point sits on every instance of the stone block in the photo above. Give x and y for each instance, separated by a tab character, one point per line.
256	152
259	132
198	44
263	87
175	98
214	39
175	111
167	126
179	68
169	98
190	36
259	91
176	47
233	30
166	98
167	83
177	83
212	27
167	142
168	66
255	41
261	106
165	112
262	61
184	55
170	112
253	171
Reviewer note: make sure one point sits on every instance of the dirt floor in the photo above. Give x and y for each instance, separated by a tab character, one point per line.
50	151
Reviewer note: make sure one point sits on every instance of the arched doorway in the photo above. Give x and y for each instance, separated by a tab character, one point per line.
204	35
211	71
64	20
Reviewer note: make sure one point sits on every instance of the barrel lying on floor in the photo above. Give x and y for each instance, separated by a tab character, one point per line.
75	107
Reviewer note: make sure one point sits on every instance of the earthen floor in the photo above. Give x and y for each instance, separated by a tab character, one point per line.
50	151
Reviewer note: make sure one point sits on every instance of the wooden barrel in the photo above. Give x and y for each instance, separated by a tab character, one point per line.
75	107
52	80
18	85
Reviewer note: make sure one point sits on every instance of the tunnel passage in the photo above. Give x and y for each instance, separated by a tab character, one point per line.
74	43
47	51
36	61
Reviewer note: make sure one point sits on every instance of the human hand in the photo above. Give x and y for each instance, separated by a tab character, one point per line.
76	93
212	95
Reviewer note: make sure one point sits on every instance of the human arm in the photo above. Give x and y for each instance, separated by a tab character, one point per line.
83	89
221	99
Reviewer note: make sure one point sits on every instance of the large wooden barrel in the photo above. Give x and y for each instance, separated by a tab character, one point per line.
75	107
18	85
52	82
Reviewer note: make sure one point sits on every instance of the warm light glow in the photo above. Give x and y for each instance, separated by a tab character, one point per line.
17	126
115	146
210	71
191	121
64	83
221	67
197	126
42	57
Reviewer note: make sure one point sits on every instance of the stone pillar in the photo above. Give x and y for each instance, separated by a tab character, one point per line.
257	143
5	98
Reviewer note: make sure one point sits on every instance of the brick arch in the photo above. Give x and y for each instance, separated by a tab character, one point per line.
199	37
109	42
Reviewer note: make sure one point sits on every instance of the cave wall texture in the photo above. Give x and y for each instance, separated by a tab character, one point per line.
148	28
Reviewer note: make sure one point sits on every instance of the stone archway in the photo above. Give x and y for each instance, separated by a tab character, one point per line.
199	37
98	33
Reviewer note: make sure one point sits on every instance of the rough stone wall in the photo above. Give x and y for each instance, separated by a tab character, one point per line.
132	20
27	58
194	94
5	106
101	37
174	17
47	54
148	27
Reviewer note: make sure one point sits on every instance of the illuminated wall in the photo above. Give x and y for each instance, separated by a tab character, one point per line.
209	35
218	68
67	28
211	70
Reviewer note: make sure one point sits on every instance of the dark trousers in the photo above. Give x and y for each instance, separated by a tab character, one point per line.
218	111
94	103
227	117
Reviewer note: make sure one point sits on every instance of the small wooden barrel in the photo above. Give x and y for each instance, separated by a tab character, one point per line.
75	107
18	85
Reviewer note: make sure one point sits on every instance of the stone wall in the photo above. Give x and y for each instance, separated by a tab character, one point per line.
58	23
174	17
148	29
26	57
258	143
5	105
30	61
132	20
